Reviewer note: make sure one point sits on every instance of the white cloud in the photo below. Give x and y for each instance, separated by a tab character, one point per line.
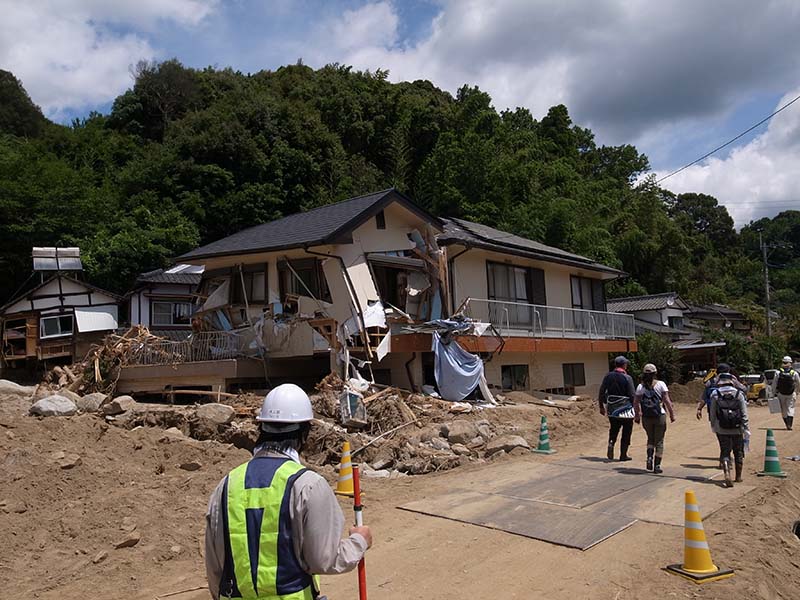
68	55
757	179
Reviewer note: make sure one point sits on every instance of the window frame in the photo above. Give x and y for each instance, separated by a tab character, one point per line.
569	370
172	304
578	283
58	318
320	288
514	374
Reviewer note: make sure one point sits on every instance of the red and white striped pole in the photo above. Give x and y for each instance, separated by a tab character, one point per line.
357	508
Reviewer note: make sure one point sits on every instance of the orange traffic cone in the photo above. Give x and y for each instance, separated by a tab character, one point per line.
344	487
697	565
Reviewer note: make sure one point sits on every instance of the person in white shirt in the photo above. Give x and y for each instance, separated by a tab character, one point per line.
649	402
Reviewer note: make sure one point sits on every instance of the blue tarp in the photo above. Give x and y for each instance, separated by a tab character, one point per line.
457	371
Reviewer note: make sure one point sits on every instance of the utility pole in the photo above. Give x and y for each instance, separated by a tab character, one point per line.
766	283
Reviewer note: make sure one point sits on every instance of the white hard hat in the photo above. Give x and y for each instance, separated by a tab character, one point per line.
284	406
787	360
650	368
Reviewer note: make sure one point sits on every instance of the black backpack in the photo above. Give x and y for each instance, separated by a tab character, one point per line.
650	402
729	408
785	383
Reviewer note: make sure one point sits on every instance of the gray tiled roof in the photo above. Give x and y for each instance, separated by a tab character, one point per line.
314	227
459	231
161	276
651	302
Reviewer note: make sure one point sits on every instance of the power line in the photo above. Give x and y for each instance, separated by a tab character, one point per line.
729	142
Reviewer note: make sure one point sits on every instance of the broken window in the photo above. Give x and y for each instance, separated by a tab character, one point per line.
574	375
169	313
514	377
303	277
58	326
254	278
402	282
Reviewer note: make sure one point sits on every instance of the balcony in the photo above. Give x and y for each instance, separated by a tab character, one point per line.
203	346
518	319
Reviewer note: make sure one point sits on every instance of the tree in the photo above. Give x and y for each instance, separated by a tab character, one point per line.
18	114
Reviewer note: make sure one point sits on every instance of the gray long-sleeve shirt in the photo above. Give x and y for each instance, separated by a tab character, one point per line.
317	525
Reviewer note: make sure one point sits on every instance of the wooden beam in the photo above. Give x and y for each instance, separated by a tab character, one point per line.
421	342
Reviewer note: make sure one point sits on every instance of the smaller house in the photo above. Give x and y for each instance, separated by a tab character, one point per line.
56	321
718	316
164	300
664	314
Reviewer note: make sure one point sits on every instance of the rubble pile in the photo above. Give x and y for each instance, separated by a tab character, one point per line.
99	371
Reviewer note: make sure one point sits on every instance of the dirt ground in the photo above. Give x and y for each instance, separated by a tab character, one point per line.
60	525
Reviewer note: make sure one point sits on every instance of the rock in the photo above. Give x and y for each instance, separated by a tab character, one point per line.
128	524
67	461
219	414
176	549
485	429
130	540
9	388
506	443
54	406
377	474
497	455
429	433
174	432
460	449
119	405
190	466
100	557
459	431
439	444
476	442
69	394
91	403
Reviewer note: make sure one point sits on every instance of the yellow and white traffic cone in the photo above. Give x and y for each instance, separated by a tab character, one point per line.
697	565
344	487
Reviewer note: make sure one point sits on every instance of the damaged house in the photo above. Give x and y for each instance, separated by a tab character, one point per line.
56	321
377	287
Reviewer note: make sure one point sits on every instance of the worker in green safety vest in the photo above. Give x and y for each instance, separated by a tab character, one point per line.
273	525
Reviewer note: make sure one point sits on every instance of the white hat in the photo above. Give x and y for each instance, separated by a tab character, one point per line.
649	368
787	360
286	407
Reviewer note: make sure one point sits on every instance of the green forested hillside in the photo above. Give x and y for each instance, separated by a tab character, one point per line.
188	156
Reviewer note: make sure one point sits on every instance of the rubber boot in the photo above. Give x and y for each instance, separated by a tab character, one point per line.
739	469
623	455
650	458
726	470
657	467
789	423
610	453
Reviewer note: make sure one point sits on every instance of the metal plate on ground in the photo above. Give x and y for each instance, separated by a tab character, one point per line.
560	525
698	472
662	500
564	488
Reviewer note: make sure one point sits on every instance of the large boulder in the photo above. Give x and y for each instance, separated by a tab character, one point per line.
459	431
219	414
91	403
9	388
54	406
506	443
119	405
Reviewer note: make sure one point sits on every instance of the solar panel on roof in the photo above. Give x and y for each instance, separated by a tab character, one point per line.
57	259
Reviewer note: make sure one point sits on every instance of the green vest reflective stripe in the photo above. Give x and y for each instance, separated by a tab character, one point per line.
239	499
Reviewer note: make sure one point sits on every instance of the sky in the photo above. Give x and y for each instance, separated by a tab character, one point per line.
674	78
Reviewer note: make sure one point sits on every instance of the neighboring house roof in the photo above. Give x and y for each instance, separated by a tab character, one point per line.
324	225
459	231
714	312
695	344
30	292
656	328
178	274
650	302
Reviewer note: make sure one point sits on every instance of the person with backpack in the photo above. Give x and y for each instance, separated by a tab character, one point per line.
785	386
651	397
730	422
711	383
616	400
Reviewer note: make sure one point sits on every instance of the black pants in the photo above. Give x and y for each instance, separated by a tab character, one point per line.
616	424
728	443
